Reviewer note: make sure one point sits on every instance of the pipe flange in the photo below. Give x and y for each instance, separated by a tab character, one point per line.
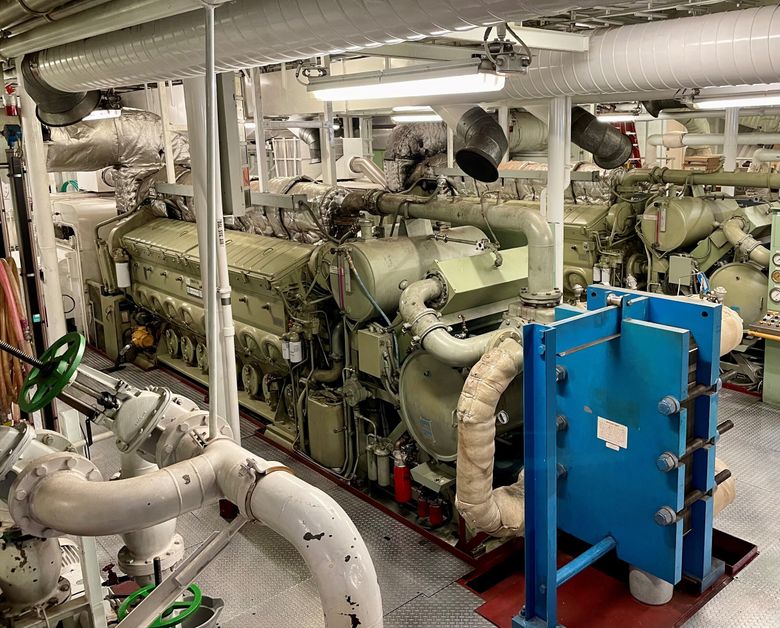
136	568
186	437
131	437
509	333
23	488
541	299
441	300
12	445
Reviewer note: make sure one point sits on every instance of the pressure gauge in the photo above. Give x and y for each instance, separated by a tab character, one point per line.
774	295
776	259
776	276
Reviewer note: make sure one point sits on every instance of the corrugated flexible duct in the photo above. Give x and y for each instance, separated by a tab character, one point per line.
733	48
251	33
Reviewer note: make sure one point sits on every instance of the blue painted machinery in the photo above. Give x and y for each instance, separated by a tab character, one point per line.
620	427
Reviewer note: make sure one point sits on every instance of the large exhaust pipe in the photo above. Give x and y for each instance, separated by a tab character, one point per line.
56	108
610	148
481	141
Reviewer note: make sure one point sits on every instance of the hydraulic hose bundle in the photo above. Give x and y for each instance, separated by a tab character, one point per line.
14	332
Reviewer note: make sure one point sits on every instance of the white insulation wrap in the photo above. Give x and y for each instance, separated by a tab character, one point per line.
251	33
733	48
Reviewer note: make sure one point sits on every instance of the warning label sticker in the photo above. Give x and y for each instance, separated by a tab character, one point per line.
614	435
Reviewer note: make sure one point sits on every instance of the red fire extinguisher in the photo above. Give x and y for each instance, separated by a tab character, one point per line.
402	479
435	513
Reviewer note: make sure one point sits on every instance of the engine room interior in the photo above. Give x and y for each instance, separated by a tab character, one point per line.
369	314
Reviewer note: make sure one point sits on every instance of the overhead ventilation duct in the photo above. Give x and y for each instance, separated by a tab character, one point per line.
610	148
715	50
56	108
252	33
480	140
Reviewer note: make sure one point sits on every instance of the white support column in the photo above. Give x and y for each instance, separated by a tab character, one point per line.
450	147
730	133
165	113
327	138
195	104
558	174
503	121
43	225
261	156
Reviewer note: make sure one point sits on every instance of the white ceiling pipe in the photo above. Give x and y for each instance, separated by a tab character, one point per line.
680	140
766	155
252	33
13	12
720	49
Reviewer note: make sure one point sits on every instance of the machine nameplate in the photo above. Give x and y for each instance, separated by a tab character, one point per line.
615	435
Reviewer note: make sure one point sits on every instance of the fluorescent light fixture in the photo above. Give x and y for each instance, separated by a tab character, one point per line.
406	118
460	77
412	109
767	100
610	118
103	114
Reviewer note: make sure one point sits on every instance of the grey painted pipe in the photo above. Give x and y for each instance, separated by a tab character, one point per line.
425	325
683	177
12	12
734	231
509	216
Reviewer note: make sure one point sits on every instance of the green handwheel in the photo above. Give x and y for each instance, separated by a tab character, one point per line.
165	620
58	364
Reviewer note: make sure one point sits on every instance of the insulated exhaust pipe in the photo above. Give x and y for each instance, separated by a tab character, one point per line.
56	108
481	141
610	148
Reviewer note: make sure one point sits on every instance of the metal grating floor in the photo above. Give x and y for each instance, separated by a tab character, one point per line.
265	583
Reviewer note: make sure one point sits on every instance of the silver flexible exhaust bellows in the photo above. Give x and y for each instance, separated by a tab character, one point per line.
55	107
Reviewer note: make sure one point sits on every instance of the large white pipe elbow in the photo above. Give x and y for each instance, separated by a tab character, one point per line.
315	524
63	494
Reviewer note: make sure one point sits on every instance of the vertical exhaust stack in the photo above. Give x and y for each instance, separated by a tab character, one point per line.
481	141
56	108
610	148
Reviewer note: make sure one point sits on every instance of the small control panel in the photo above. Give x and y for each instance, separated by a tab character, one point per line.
769	325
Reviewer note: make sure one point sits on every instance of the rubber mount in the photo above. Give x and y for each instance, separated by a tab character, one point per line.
165	620
60	362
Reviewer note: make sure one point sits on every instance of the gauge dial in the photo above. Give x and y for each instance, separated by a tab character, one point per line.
776	259
774	295
776	276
